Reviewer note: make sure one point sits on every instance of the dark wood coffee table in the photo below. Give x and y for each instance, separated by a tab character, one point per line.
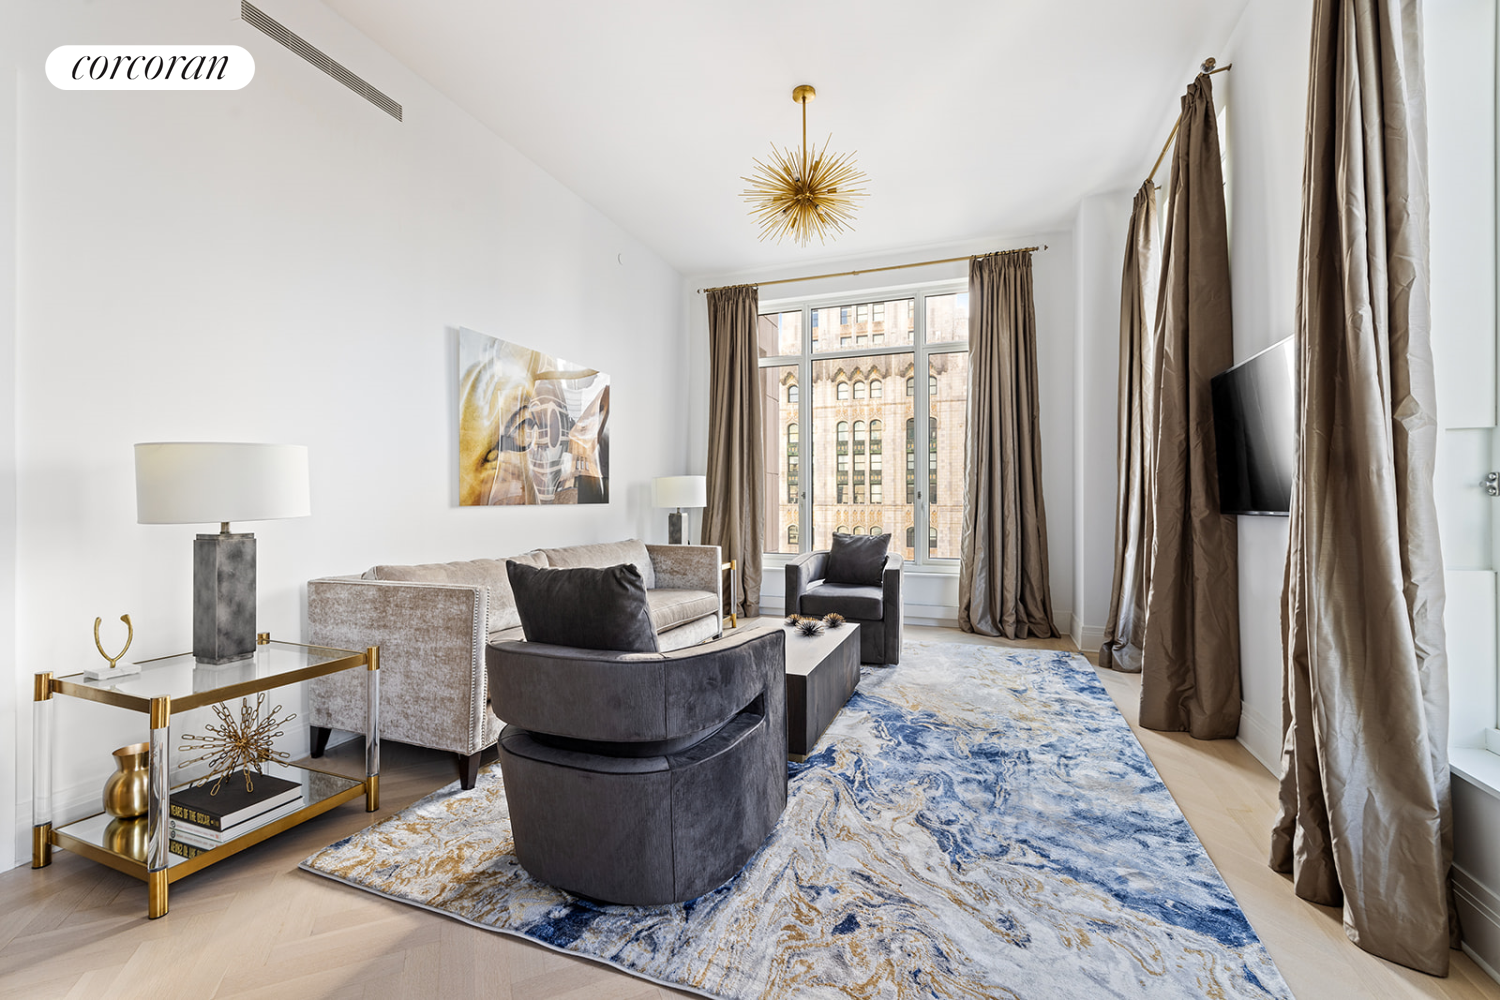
821	674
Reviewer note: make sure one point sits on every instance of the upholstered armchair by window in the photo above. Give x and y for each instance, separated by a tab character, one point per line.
875	608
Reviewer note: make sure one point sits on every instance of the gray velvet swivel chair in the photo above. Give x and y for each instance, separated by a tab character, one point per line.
642	778
877	610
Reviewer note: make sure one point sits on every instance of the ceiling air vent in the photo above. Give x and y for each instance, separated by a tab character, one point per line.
273	28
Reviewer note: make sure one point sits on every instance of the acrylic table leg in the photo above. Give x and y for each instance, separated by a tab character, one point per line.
41	771
372	730
157	807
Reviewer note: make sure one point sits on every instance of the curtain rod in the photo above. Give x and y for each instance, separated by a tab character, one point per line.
1208	69
873	270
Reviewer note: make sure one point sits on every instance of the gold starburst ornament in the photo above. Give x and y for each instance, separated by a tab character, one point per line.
806	193
238	744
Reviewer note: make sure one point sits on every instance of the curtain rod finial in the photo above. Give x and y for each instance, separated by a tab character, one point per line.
1208	64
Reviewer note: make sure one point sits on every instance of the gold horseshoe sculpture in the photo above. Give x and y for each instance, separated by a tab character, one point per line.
128	640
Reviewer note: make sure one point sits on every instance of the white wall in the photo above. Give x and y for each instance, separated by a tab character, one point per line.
1267	107
284	263
932	597
1099	248
9	735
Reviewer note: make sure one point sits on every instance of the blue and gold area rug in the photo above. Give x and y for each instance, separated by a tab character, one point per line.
978	822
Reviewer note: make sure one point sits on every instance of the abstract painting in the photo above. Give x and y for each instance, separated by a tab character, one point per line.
532	428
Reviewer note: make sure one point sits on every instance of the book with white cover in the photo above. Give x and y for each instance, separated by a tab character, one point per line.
192	833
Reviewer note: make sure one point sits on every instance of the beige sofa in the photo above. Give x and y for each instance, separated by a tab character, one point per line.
433	621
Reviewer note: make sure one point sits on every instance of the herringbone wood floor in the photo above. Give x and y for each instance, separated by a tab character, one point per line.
256	926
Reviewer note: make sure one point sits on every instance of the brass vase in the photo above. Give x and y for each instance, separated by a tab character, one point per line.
126	790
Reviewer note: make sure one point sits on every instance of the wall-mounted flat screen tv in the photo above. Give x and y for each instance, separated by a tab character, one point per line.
1255	410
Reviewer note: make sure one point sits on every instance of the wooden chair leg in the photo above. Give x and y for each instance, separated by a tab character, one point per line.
319	739
468	770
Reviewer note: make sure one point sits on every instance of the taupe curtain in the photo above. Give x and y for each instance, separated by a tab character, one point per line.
1125	630
1365	818
1003	586
1190	667
736	464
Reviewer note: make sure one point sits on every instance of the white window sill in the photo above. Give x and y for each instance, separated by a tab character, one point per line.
1479	766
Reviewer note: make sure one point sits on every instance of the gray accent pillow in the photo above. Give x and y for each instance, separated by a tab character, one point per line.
585	607
858	559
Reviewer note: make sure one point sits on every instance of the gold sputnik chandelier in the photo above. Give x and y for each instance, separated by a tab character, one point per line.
805	193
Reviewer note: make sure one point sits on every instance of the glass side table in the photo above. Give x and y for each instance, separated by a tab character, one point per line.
178	683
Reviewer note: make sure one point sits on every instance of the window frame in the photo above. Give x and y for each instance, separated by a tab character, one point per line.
921	352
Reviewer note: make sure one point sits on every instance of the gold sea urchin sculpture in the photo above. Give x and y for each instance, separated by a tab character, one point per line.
243	744
804	193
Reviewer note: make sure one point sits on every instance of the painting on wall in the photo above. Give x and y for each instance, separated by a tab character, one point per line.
532	428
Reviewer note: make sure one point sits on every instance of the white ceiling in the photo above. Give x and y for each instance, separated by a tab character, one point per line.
973	118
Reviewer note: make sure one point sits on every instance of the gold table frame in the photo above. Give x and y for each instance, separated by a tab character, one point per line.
156	870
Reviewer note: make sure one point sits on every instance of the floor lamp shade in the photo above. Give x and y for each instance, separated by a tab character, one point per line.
199	482
679	492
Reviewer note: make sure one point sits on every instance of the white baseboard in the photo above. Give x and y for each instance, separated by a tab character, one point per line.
1479	915
1088	638
1259	736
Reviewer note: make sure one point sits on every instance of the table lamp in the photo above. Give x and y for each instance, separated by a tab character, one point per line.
203	482
680	492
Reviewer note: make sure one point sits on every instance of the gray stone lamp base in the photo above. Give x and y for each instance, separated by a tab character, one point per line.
223	597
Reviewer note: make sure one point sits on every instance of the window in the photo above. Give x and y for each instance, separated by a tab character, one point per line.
859	461
932	460
911	540
841	431
793	460
841	530
911	461
841	484
858	530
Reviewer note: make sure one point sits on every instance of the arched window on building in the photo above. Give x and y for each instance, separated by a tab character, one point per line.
791	394
876	529
841	391
911	461
932	386
931	539
911	537
859	460
793	536
858	530
841	479
841	530
793	464
877	388
911	385
932	461
859	390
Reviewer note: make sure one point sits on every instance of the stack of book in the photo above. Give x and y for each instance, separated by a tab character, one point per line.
201	821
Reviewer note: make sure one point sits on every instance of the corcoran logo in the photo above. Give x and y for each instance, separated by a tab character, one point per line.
150	67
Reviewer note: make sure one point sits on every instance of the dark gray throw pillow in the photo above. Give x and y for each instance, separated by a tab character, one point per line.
585	607
857	559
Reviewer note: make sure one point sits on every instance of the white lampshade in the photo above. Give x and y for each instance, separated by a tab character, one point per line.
681	491
203	482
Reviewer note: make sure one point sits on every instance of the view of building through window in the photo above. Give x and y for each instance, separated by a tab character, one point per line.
886	447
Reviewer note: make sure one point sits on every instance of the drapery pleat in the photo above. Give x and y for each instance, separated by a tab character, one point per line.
1003	585
1190	667
736	463
1365	814
1125	630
